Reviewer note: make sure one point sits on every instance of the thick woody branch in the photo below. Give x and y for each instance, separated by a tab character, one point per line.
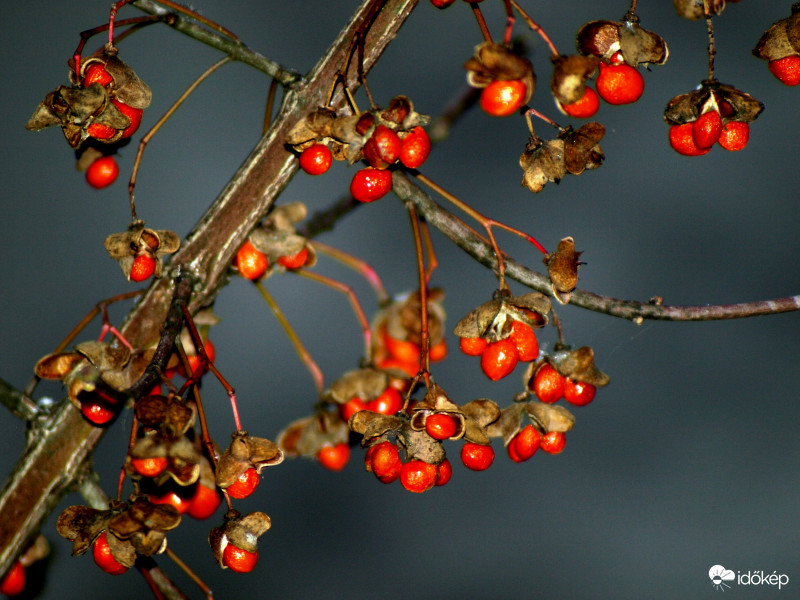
47	468
455	230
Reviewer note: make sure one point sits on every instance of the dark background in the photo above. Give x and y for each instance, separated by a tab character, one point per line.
686	460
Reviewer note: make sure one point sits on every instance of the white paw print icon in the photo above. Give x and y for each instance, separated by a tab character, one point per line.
719	575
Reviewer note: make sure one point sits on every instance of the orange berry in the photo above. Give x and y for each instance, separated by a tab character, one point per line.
706	129
681	138
149	467
173	498
438	351
583	108
251	262
472	346
205	502
351	407
444	471
370	184
102	172
735	135
440	426
499	359
578	393
477	457
388	403
553	442
524	339
144	265
384	461
502	98
239	560
14	581
96	73
548	384
619	84
103	557
525	443
316	159
98	414
400	349
418	476
133	114
382	148
335	457
786	69
416	148
244	485
295	261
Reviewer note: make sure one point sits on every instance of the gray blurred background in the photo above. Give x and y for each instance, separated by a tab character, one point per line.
686	460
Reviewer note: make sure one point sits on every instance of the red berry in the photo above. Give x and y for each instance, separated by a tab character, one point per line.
251	262
472	346
335	457
134	114
96	413
102	172
149	467
144	265
438	351
706	129
382	148
238	560
418	476
502	98
400	349
786	69
14	581
578	393
244	485
173	498
103	557
442	3
384	462
388	403
205	502
512	452
619	84
351	407
295	261
316	159
525	341
416	148
553	442
370	184
548	384
735	135
499	359
525	443
681	138
444	471
477	457
616	58
96	73
99	131
583	108
194	359
440	426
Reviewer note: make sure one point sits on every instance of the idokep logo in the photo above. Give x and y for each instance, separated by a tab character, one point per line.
722	578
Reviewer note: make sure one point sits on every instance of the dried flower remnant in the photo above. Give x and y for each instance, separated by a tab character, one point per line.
637	45
139	241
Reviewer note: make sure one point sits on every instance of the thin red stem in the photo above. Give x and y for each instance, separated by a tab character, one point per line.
476	10
535	27
424	342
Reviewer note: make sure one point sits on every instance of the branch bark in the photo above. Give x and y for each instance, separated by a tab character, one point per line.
66	440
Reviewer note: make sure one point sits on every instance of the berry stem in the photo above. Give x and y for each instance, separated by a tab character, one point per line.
192	575
351	296
357	265
305	356
535	27
424	343
154	129
510	20
135	22
712	47
476	10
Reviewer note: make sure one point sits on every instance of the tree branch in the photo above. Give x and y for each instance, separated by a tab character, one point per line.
454	229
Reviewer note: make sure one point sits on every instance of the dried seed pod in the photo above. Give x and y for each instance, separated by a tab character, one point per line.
637	45
126	246
579	365
493	62
246	452
582	147
740	106
306	436
125	83
493	320
144	525
374	425
312	128
570	73
366	384
541	162
74	109
183	458
562	268
509	423
437	402
782	39
693	9
480	414
550	417
420	446
241	531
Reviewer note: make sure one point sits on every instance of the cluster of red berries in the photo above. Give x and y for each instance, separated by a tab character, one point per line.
529	440
252	263
95	72
696	138
617	83
500	357
383	460
404	355
550	386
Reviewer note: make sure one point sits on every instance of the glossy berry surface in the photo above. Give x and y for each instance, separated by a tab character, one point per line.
351	407
440	426
143	267
706	129
134	114
204	502
251	262
96	73
578	393
525	443
583	108
316	159
472	346
95	413
442	3
382	148
681	138
334	458
735	135
400	349
100	131
525	341
149	467
477	457
370	184
103	557
786	69
553	442
14	581
619	84
388	403
173	498
295	261
548	384
502	98
416	148
384	462
102	172
244	485
499	359
418	476
238	560
444	472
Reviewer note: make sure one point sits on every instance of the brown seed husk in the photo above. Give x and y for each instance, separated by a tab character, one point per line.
570	73
366	384
685	108
582	147
243	453
436	401
579	365
562	268
782	39
480	414
550	417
